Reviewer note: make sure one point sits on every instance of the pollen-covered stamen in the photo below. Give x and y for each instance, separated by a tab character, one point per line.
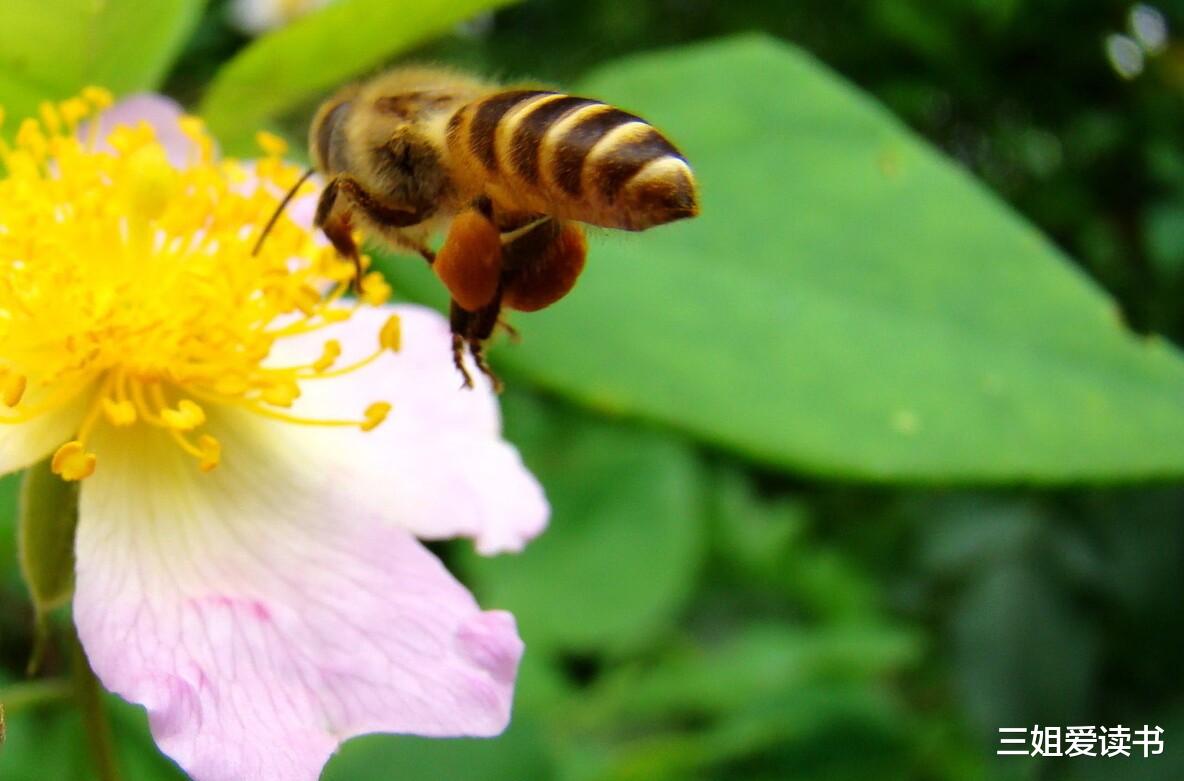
329	356
131	283
72	462
12	388
375	415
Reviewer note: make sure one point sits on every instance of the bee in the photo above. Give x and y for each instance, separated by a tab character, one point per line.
508	173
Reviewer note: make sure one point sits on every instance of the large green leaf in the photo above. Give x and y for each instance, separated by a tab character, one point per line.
625	539
49	49
319	51
849	303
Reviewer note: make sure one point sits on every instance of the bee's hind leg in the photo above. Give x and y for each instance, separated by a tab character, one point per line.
477	349
471	329
458	359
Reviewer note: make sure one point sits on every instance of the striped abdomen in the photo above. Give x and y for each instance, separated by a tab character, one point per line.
571	157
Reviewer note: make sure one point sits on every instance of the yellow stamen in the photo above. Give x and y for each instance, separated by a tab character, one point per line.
72	462
328	357
119	413
153	181
271	144
211	453
13	388
391	335
98	97
282	394
375	290
186	417
375	415
128	286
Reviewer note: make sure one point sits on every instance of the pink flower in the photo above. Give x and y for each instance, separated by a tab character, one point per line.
265	610
256	17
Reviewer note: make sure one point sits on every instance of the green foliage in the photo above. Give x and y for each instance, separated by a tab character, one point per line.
625	543
50	50
47	519
849	303
26	755
280	71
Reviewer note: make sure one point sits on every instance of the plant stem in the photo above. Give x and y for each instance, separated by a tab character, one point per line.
33	694
89	695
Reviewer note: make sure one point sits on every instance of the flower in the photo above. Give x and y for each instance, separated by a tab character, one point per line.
256	17
247	562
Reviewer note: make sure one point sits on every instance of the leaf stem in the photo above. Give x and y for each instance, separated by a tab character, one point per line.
34	694
89	694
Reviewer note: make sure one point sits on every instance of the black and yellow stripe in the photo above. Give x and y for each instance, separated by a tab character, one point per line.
587	157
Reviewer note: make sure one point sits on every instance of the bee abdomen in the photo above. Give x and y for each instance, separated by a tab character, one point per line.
588	160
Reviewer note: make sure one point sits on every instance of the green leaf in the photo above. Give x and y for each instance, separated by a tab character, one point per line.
50	49
765	661
10	485
1023	651
318	52
519	754
625	538
46	519
850	303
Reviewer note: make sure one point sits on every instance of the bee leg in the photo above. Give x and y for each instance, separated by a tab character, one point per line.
458	359
423	250
338	231
515	337
372	207
477	348
480	329
471	329
460	320
342	238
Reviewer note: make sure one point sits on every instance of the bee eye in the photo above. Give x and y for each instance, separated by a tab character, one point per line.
328	141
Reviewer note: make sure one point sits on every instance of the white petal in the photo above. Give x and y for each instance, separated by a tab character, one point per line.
262	616
24	444
439	463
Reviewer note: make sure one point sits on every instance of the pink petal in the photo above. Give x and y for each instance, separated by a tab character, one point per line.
262	617
158	111
438	464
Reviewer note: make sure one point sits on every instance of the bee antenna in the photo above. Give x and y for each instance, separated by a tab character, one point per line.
280	210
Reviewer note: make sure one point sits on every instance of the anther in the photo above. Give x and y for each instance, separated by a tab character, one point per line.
271	144
119	413
329	356
13	389
281	394
375	290
375	414
98	97
50	117
391	335
211	453
72	462
186	417
153	181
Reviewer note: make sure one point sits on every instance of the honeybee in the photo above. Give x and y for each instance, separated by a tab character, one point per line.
509	173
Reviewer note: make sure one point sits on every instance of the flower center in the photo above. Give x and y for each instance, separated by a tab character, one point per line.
130	282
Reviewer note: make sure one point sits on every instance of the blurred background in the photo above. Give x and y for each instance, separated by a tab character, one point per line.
857	468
